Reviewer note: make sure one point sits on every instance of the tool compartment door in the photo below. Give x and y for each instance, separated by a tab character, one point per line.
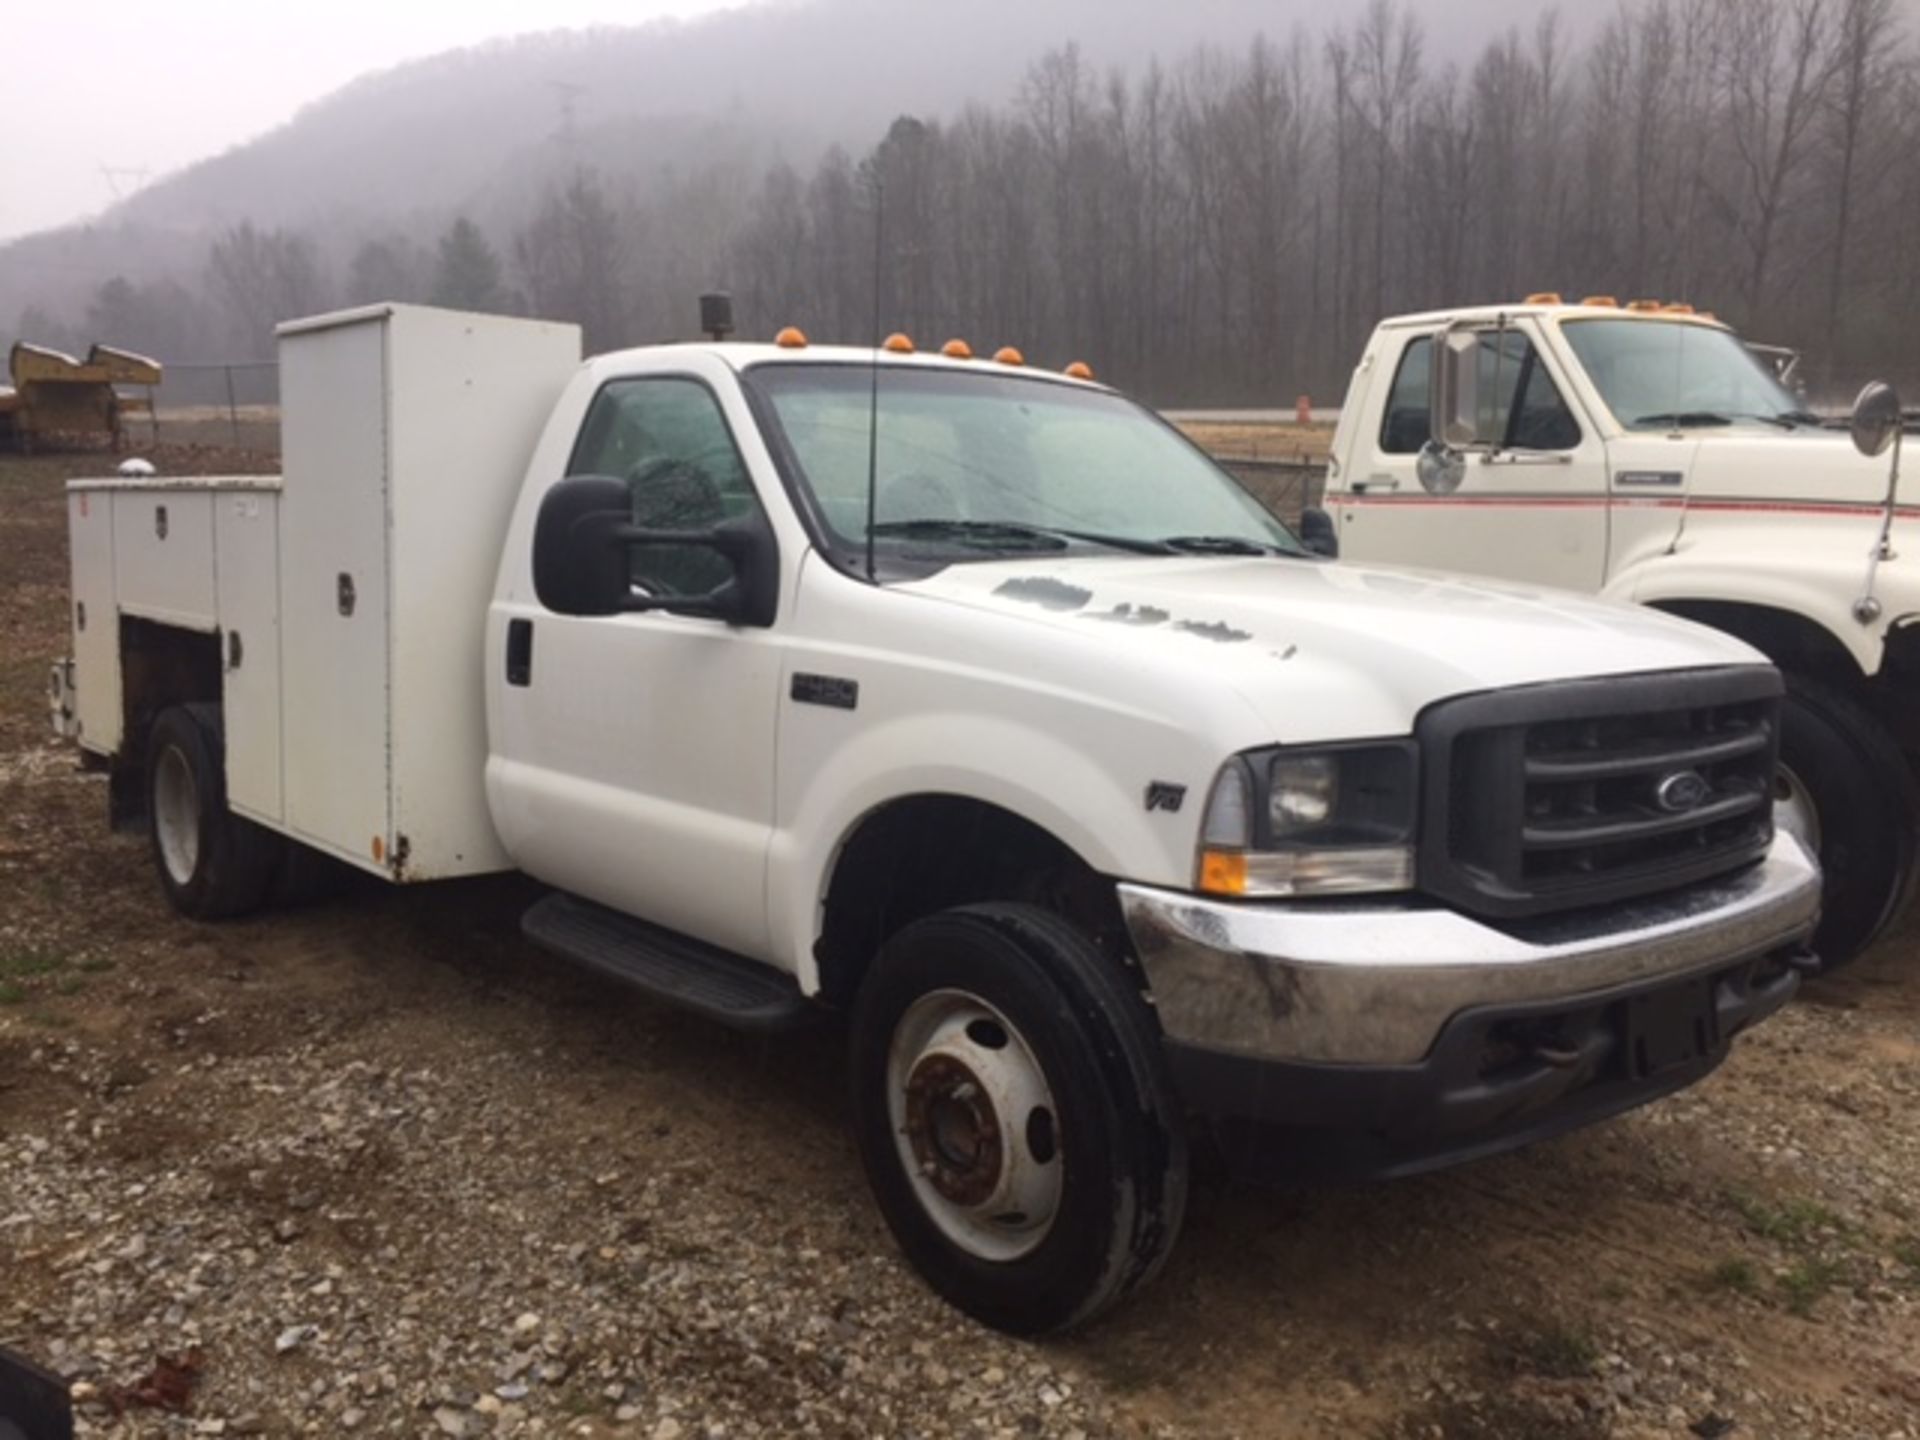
94	619
247	542
333	592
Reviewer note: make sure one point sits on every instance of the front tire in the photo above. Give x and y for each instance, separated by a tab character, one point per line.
213	864
1014	1114
1848	793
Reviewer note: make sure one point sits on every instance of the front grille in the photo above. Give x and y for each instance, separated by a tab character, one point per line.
1593	791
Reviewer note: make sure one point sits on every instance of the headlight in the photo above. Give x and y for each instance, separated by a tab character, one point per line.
1324	821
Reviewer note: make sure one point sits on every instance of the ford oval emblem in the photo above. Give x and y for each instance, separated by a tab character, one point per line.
1681	791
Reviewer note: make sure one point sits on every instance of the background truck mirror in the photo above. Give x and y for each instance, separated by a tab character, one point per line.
1317	532
1440	468
1876	420
1454	404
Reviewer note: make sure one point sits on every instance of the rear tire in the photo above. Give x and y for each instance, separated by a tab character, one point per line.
1015	1117
1846	788
213	864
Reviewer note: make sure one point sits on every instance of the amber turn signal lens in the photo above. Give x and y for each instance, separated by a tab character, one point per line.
1223	872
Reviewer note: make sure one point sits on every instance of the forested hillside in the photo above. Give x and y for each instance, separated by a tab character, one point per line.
1207	222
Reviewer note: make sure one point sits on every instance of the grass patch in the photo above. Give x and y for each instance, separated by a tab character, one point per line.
1907	1251
24	964
10	993
1559	1352
1736	1274
1789	1222
1803	1284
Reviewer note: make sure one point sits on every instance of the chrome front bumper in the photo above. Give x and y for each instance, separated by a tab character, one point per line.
1374	983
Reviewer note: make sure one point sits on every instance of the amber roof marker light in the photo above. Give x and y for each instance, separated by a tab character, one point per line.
957	350
1079	370
897	344
791	338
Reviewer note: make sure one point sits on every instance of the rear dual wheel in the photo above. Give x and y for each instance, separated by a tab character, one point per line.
213	864
1015	1117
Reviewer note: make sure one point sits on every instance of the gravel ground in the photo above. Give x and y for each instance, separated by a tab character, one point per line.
376	1167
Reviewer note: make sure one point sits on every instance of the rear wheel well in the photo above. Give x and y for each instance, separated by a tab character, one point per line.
160	666
926	853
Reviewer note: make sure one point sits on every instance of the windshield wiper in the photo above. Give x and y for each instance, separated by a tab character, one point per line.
1684	419
1219	545
1688	419
994	530
987	533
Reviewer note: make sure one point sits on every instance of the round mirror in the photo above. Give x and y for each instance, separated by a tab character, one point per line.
1440	469
1876	419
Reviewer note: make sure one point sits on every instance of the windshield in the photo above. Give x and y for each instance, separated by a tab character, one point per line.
1666	374
984	462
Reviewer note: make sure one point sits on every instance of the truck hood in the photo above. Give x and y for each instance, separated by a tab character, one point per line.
1373	646
1808	466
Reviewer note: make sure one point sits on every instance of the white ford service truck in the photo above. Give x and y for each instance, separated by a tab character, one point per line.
976	702
1644	454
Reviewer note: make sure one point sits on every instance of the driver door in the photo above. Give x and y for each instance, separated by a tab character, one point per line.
1536	511
646	740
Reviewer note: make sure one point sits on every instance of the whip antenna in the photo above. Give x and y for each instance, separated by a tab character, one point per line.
873	387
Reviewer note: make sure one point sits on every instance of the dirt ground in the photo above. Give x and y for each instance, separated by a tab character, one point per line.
376	1166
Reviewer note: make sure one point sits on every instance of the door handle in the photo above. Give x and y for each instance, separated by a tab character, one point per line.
1377	482
519	652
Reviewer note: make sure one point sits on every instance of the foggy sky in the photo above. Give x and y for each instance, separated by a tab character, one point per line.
159	85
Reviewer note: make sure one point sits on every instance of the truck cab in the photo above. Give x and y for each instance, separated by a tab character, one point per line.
1642	453
970	701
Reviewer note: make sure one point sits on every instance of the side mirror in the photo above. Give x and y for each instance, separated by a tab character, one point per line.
1439	468
1317	532
1876	420
1453	401
583	540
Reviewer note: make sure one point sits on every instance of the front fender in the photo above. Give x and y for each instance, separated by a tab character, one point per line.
1817	583
1034	774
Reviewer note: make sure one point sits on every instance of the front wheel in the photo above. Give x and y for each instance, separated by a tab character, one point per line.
213	864
1013	1111
1846	792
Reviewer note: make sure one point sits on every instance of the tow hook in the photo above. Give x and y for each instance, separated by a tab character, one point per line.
1803	962
1561	1057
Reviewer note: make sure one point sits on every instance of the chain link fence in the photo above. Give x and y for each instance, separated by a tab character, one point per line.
219	403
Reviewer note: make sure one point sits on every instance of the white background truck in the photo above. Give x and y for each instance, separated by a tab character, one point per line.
970	700
1642	453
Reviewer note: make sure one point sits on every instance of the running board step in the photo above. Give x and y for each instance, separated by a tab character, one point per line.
694	976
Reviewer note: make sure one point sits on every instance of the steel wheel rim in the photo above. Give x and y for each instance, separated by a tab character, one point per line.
975	1126
176	815
1794	810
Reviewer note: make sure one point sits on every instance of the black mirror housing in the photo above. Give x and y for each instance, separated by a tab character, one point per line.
579	564
582	543
1318	534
